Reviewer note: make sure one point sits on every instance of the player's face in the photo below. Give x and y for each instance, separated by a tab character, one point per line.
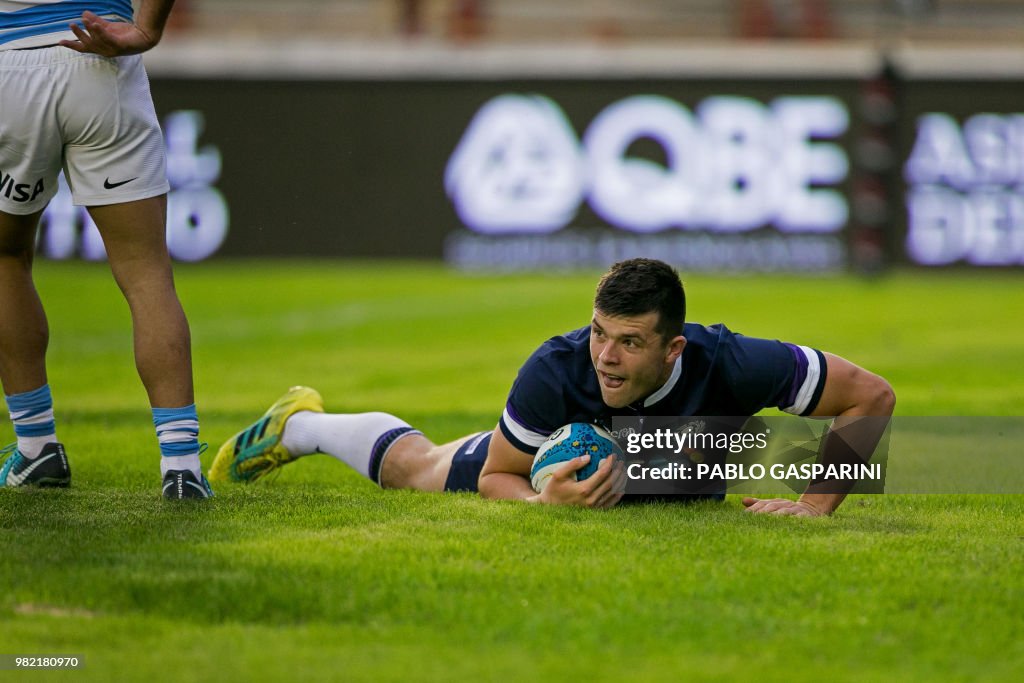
631	359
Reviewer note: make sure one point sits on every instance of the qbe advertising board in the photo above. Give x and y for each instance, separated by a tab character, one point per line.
707	173
503	175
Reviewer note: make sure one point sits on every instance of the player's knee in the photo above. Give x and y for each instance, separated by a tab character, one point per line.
888	398
883	400
411	463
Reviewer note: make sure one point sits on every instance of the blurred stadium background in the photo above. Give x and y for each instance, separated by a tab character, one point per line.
750	136
941	21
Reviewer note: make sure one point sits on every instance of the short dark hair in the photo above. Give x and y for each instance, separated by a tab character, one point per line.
639	286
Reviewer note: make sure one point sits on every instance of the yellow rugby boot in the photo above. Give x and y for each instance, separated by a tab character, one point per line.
256	450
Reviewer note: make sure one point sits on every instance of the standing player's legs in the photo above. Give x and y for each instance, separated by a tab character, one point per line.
135	239
37	457
30	158
115	165
134	235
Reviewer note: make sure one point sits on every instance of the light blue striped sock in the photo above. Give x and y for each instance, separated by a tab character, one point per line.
32	415
177	430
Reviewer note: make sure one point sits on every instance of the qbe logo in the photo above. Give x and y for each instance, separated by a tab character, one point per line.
732	165
197	214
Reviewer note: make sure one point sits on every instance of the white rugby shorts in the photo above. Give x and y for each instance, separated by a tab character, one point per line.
92	116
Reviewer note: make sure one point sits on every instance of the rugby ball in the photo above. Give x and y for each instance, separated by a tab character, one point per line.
567	442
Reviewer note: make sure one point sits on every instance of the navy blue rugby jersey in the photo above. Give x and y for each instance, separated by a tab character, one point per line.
720	373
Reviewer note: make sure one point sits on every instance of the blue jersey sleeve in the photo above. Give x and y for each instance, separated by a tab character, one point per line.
535	406
762	373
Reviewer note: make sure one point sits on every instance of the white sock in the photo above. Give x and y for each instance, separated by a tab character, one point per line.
182	462
177	432
32	415
32	446
360	440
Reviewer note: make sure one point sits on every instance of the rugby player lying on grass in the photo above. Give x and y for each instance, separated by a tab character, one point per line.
636	357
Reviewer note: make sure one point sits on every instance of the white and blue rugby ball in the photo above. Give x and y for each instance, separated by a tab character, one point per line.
567	442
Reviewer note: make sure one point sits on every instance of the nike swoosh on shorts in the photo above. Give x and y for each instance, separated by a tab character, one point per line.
110	186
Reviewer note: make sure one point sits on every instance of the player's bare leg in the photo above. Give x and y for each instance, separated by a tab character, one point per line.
24	334
37	458
415	462
380	446
134	234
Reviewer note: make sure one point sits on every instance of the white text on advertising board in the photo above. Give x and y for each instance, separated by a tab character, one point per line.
731	165
965	191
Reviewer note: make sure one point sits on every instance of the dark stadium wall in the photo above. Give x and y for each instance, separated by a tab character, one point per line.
358	169
796	175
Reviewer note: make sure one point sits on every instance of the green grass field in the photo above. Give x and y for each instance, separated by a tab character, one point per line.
321	576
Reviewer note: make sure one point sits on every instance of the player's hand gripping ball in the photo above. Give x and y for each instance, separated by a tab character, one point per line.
567	442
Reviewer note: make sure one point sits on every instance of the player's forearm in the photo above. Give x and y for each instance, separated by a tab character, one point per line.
152	16
506	486
853	437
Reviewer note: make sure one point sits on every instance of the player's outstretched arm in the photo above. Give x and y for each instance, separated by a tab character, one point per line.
850	393
118	38
506	474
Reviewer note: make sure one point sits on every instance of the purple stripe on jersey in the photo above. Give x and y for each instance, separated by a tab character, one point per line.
799	377
521	422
